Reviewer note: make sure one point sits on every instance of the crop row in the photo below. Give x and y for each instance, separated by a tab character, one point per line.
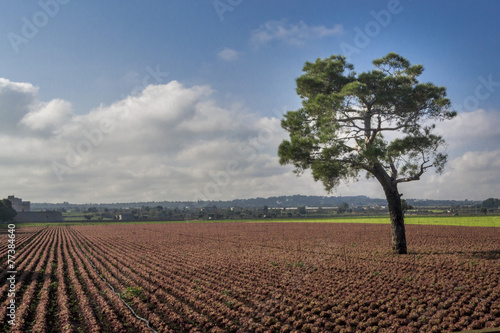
57	292
242	277
207	277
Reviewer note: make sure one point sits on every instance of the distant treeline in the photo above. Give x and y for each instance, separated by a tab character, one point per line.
271	202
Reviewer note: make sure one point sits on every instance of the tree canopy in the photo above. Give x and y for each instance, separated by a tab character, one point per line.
378	122
491	203
7	213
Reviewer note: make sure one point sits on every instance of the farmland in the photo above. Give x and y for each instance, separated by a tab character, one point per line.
252	277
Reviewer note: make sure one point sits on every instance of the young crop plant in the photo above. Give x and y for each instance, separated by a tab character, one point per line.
131	292
379	292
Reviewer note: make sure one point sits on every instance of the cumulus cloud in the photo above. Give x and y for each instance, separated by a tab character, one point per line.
169	142
16	100
172	142
289	33
474	159
474	175
48	117
475	130
228	54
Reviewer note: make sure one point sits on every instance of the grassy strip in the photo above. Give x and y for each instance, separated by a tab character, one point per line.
467	221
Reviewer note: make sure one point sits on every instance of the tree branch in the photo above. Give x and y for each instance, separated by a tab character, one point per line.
394	174
390	128
423	167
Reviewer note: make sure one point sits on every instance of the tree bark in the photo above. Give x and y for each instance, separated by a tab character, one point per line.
397	220
395	210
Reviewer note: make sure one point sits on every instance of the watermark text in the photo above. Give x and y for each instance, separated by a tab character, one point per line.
11	274
31	27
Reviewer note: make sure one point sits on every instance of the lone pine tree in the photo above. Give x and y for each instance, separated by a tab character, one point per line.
338	132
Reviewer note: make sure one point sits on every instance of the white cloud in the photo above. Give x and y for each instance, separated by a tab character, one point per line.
172	142
48	117
289	33
475	130
474	175
169	142
474	160
16	100
228	54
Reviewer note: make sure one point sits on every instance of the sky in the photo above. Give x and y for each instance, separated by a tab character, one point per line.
125	101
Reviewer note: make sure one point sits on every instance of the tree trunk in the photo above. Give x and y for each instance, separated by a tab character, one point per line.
397	220
395	210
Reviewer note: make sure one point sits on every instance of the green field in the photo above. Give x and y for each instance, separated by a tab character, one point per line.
468	221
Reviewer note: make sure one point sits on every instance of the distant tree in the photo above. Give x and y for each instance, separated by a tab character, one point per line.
339	132
405	206
344	206
88	217
302	210
491	203
7	213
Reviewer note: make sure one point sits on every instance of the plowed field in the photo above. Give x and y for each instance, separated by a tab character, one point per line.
252	277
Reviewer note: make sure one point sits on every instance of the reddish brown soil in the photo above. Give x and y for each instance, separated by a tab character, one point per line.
257	277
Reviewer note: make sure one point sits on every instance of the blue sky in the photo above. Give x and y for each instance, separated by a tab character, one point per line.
72	62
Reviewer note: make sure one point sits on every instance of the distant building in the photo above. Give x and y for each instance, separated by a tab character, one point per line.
19	205
47	216
24	213
209	209
126	217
